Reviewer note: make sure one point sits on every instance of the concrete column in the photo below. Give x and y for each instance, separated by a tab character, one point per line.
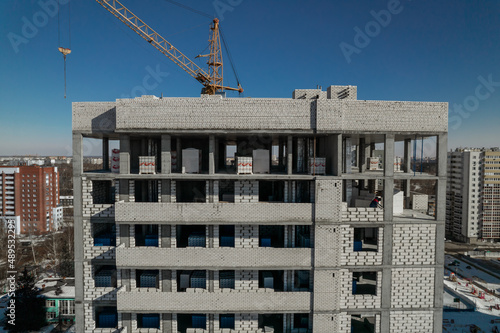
124	154
389	155
289	154
211	154
407	185
78	232
388	200
337	154
127	321
166	323
211	323
347	158
125	234
105	154
210	281
386	278
362	155
166	158
441	200
179	154
442	154
166	281
442	160
165	190
124	190
407	155
166	233
210	236
126	279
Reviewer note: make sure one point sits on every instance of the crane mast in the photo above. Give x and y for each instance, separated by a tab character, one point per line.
212	81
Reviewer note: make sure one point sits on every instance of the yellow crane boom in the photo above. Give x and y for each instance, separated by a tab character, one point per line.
212	82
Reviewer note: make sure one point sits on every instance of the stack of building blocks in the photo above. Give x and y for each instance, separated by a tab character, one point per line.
191	160
260	161
147	165
244	165
316	166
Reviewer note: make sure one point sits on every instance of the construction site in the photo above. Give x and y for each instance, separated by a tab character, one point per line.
220	214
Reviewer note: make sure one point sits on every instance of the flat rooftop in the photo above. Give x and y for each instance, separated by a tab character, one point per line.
308	111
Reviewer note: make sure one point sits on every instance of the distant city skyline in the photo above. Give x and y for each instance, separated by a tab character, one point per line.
392	50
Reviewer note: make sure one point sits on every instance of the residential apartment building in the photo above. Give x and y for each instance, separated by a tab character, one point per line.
473	195
200	231
30	196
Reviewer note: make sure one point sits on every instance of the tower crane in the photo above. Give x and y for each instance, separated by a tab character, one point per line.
212	81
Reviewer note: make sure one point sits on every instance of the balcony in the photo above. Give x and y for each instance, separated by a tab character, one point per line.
127	212
213	258
203	302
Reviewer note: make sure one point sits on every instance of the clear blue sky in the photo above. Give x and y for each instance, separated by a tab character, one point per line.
426	50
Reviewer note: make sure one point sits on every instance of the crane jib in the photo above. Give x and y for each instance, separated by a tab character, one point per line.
212	82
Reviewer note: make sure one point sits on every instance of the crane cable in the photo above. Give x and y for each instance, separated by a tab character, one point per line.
230	57
63	50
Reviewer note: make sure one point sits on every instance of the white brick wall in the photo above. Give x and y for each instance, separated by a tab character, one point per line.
412	287
412	321
246	236
246	191
414	244
362	214
350	301
359	258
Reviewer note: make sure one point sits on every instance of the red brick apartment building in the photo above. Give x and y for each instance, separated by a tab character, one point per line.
30	196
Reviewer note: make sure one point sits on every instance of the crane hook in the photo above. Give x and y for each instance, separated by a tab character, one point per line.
64	52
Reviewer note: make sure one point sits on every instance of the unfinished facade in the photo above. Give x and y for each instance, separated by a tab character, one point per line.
256	215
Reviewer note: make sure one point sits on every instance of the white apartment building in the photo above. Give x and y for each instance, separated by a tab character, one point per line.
191	238
473	195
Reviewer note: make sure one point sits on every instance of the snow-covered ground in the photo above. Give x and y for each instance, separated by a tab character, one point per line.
487	280
486	317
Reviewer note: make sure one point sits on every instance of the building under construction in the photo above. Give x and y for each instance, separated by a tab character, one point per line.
257	215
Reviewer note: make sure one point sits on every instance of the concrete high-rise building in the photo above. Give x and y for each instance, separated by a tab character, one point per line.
30	196
202	230
473	195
